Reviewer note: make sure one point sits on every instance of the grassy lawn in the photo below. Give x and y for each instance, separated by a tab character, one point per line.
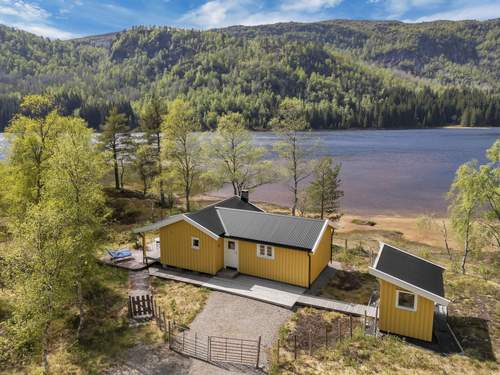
180	302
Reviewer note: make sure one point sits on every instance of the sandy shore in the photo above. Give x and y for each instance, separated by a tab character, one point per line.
407	224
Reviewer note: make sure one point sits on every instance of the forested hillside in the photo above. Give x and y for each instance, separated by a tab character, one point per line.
348	73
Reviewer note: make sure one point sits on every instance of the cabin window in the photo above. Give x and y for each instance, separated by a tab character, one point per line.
265	251
195	243
406	300
231	245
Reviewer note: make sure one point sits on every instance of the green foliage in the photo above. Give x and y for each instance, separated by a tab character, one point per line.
55	169
182	148
324	191
338	68
113	137
237	160
475	202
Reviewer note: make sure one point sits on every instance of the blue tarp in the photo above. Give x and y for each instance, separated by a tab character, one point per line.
122	253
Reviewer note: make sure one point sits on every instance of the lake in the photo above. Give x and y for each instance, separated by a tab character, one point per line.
387	171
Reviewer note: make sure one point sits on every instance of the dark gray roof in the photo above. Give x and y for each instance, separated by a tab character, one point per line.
208	218
281	230
411	269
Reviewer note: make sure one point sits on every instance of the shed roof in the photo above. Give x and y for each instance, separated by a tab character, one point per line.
289	231
411	272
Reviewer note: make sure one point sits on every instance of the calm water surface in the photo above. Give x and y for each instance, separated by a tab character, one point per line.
387	171
391	171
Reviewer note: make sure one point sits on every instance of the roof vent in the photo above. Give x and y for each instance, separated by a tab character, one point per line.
244	195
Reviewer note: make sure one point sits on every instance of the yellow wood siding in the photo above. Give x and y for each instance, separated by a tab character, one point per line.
322	255
289	266
417	324
176	251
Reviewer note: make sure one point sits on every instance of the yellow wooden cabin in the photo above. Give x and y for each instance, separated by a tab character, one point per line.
410	289
236	234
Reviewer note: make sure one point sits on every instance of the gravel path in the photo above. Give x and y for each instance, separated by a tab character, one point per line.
239	317
223	315
138	282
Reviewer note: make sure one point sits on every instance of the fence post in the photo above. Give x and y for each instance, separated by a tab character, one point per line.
278	352
295	346
345	247
258	353
376	322
195	343
350	325
364	326
326	336
209	348
130	307
169	336
310	343
165	322
339	329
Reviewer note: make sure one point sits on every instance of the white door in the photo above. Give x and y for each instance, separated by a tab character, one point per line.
230	253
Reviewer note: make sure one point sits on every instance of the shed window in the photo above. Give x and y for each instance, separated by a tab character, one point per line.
406	300
195	243
265	251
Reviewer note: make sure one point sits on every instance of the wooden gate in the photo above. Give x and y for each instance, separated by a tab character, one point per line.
141	307
215	349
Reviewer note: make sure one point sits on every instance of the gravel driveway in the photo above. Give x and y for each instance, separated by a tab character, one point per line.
239	317
224	315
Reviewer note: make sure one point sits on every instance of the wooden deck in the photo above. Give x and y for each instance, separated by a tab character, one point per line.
136	263
333	305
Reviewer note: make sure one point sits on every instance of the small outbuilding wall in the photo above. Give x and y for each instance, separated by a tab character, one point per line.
416	324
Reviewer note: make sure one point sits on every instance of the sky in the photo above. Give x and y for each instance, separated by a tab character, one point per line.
66	19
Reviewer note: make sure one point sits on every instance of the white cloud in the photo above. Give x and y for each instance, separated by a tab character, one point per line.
308	6
478	12
399	7
220	13
30	17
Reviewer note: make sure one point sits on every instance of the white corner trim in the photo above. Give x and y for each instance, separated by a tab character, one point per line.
200	227
414	309
413	255
378	255
320	236
408	286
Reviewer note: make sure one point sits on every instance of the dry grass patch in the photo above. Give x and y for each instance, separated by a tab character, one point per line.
180	302
350	286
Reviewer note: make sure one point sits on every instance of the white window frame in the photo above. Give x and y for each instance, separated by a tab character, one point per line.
192	243
259	255
415	298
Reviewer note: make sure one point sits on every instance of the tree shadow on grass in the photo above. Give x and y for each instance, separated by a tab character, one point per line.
474	336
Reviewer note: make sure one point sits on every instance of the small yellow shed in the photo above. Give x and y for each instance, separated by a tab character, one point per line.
236	234
410	287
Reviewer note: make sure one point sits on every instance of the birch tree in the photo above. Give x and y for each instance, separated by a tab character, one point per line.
291	120
182	148
237	160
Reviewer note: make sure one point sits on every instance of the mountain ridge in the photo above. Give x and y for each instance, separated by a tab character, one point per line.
348	73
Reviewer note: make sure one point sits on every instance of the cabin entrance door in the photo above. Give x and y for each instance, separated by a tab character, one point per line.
230	253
